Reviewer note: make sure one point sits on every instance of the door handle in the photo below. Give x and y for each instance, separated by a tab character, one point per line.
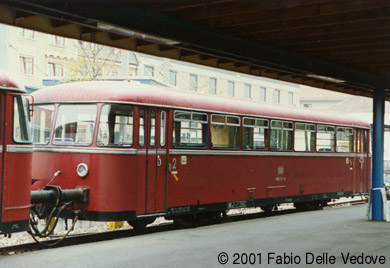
158	161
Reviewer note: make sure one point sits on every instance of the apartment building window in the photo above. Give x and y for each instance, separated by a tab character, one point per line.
193	82
148	70
290	98
247	91
213	85
117	51
26	33
55	69
263	94
26	65
57	40
230	90
114	72
277	96
172	77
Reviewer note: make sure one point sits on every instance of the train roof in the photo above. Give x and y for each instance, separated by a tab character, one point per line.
137	93
8	82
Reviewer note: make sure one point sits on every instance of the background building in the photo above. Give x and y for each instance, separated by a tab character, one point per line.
41	59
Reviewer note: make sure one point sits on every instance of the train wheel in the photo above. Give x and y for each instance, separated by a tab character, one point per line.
306	206
302	206
178	222
187	221
211	217
195	220
219	217
139	225
267	209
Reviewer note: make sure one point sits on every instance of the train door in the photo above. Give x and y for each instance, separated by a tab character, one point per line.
361	161
365	162
2	119
155	160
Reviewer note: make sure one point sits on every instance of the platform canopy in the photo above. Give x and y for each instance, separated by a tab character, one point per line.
342	46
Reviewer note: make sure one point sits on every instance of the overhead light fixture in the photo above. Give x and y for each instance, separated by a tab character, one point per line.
130	33
326	78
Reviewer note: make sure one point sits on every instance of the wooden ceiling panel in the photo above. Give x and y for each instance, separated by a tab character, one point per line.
283	14
319	21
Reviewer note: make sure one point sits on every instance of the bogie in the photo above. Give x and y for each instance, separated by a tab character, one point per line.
140	224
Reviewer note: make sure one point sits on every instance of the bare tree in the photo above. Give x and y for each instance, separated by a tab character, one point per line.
94	61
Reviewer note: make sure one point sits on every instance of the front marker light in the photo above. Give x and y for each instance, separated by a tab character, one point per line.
82	170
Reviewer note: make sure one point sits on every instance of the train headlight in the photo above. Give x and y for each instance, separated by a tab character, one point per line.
82	170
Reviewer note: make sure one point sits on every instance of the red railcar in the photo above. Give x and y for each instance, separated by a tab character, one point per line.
16	155
146	151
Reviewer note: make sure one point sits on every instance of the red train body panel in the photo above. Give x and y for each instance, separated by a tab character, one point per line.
16	156
153	151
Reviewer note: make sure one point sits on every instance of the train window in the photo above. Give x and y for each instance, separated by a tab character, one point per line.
344	139
200	117
42	123
358	142
141	137
182	116
115	125
304	138
21	120
254	134
361	141
75	124
225	131
365	141
189	129
162	128
152	136
281	135
325	138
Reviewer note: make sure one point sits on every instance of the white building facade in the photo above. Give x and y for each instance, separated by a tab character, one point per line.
187	76
40	59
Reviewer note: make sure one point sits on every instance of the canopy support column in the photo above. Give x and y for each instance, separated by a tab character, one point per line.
377	155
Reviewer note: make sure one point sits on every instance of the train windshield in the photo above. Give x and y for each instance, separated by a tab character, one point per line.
75	124
21	120
42	123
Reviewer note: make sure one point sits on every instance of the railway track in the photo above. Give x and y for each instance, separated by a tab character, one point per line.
364	200
91	237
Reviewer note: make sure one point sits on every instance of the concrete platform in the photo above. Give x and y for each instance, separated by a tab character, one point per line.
327	238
